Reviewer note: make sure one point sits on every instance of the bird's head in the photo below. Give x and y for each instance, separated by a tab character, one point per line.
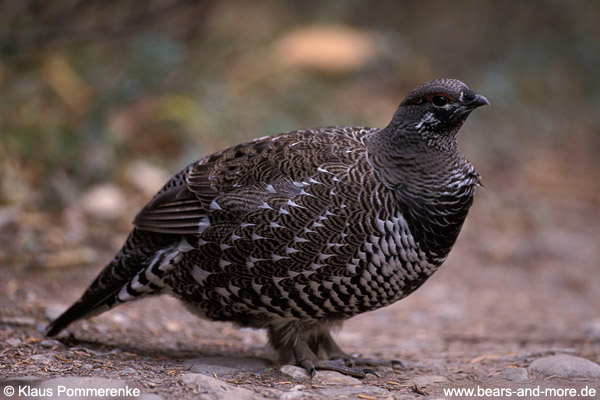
437	108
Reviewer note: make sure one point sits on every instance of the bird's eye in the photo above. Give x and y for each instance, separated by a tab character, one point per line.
439	101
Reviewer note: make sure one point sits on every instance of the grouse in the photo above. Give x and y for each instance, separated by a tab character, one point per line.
299	231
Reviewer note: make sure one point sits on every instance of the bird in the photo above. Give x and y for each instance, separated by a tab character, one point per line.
297	232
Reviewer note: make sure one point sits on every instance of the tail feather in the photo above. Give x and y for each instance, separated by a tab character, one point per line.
86	307
125	278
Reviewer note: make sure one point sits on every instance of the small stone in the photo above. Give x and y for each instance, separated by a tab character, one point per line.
53	312
146	177
225	366
427	380
29	379
291	394
514	374
103	202
50	343
565	366
128	371
212	388
296	373
14	342
592	330
149	396
40	359
333	392
334	378
120	319
18	321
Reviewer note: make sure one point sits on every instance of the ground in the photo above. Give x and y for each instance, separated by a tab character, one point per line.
521	284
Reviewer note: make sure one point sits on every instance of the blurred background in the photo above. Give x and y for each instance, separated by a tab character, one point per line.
102	101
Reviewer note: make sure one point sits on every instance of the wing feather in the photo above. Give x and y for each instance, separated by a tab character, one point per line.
261	174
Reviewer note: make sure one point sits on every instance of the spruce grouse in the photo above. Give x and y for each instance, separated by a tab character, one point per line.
299	231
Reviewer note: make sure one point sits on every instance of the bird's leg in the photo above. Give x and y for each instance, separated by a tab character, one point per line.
292	340
326	343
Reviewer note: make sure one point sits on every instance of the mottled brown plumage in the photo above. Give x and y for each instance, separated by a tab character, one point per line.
299	231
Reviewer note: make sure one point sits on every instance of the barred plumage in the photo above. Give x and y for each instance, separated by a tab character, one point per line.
299	231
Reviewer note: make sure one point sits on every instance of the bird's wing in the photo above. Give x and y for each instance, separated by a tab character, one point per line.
239	181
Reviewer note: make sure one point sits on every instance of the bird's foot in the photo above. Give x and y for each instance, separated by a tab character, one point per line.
352	361
338	365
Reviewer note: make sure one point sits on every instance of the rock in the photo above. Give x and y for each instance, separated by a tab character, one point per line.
291	394
335	392
50	343
149	396
120	319
296	373
40	359
591	330
334	378
13	342
53	312
565	366
26	379
514	374
18	321
146	177
128	371
225	366
427	380
212	388
331	49
103	202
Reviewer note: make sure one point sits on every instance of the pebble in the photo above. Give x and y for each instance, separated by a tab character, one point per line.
591	330
291	394
40	359
13	342
18	321
26	379
128	371
120	319
225	366
103	201
146	177
149	396
53	312
50	343
427	380
335	392
296	373
334	378
212	388
514	374
565	366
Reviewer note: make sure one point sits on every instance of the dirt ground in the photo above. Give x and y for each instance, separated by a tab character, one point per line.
521	283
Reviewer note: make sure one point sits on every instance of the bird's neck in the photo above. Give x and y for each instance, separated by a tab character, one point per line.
433	186
403	158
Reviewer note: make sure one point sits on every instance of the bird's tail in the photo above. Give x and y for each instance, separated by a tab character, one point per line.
89	304
136	271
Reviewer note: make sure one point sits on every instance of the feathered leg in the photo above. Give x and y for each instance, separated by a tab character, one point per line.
300	342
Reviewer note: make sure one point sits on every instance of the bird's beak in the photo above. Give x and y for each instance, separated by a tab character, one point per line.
478	101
